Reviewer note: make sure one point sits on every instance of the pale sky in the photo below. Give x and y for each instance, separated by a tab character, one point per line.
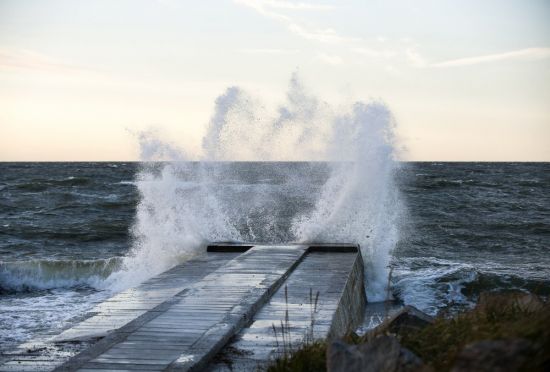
466	80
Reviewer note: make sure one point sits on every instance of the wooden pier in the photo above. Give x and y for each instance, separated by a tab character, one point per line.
235	307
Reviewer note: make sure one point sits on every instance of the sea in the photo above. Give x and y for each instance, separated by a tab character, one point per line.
72	234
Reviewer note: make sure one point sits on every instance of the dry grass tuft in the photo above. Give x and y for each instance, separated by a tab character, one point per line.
498	316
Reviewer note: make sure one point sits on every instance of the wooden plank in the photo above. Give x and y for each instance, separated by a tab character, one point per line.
205	316
322	270
130	304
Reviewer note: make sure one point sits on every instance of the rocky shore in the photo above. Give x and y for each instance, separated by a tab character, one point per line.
505	332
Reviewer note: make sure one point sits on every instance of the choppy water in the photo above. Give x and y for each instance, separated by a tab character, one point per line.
473	227
65	228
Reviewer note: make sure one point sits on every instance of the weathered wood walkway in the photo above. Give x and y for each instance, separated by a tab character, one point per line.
231	307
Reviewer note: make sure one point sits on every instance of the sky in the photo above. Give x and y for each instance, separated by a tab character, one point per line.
80	79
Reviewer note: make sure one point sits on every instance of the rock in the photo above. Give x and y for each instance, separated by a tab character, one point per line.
405	320
521	300
494	356
382	354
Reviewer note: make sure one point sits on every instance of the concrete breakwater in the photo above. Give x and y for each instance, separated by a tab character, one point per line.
236	306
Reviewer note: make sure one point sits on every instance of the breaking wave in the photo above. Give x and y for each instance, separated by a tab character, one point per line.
349	197
44	274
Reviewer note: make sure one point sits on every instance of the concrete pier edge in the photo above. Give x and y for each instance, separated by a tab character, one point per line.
352	304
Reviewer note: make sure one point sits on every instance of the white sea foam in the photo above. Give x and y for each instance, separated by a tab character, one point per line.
183	204
430	283
26	314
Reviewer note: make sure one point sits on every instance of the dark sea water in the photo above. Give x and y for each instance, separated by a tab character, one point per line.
473	227
468	227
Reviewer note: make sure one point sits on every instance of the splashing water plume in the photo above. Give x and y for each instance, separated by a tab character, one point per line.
284	195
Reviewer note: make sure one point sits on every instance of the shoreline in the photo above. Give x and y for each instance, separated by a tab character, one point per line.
505	331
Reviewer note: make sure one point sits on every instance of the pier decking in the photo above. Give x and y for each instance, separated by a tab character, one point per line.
229	308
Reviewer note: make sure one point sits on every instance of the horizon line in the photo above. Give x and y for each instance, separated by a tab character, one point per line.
263	161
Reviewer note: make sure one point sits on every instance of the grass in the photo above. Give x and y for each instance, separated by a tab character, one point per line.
498	317
310	356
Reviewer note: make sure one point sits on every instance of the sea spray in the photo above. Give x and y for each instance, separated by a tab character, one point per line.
177	214
341	190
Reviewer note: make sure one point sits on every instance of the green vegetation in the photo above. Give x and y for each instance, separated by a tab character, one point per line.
308	358
496	317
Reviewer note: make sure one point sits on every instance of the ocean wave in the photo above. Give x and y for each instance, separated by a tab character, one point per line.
534	227
353	198
432	283
45	312
37	185
487	281
431	182
72	181
33	186
95	231
41	274
94	196
431	287
529	182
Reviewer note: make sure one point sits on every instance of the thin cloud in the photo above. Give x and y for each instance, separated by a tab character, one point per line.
272	9
296	5
415	58
23	59
333	60
269	51
528	53
327	35
376	53
282	12
262	8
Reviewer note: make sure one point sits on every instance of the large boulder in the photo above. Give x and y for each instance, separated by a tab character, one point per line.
382	354
404	321
494	356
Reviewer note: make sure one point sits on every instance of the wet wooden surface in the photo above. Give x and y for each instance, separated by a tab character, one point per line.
300	311
198	322
126	306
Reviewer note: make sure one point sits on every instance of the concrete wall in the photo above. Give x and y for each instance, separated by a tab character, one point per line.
351	308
